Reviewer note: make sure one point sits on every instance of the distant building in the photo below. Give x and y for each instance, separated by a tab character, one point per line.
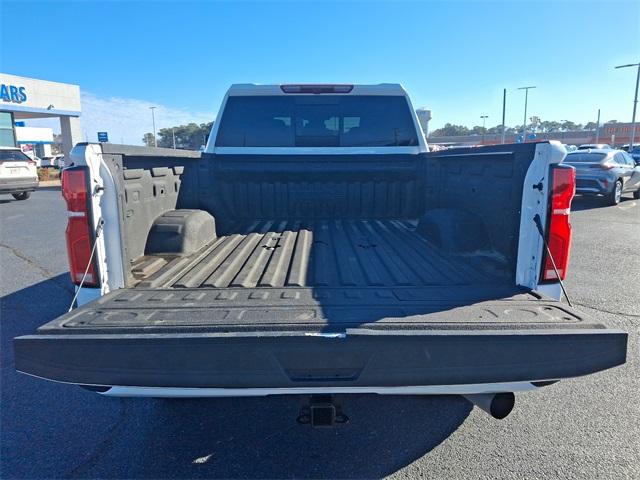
424	115
35	140
23	98
615	134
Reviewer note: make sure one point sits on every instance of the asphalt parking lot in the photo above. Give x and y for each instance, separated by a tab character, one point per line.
583	428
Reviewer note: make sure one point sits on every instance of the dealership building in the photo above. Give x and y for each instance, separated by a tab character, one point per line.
23	98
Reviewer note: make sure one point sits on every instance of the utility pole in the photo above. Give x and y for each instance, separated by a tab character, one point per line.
524	123
598	128
484	130
173	134
562	129
504	111
153	119
635	103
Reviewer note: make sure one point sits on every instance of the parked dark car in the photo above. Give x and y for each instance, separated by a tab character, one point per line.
605	172
635	153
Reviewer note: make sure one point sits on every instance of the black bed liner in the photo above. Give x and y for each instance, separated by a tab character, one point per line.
318	276
317	310
323	303
350	320
335	253
354	322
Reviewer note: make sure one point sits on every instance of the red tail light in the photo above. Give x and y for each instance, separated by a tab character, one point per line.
563	188
79	233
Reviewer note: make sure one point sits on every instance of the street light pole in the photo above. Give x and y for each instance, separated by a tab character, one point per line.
524	123
484	130
635	103
153	119
173	134
504	109
562	129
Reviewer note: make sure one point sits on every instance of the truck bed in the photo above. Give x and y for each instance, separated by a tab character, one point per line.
330	253
318	276
283	305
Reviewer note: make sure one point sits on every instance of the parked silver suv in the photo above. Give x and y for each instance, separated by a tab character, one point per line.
18	173
605	172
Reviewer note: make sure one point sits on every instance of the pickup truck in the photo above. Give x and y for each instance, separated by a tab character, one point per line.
316	246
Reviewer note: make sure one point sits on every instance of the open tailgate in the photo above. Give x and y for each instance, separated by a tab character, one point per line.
301	337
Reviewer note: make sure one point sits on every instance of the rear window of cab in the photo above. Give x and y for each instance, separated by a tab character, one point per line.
316	121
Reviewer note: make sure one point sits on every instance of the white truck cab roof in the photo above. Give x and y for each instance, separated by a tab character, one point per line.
318	90
246	89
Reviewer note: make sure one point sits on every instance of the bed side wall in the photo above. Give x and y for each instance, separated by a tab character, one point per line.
485	183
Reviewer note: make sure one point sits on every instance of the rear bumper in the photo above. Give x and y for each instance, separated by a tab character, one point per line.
592	191
18	185
360	358
461	389
594	185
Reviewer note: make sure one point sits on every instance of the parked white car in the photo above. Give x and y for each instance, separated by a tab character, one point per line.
18	173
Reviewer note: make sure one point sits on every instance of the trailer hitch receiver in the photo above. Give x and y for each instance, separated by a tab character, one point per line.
321	412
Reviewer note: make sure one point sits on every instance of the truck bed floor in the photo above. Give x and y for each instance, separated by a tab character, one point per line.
322	277
335	253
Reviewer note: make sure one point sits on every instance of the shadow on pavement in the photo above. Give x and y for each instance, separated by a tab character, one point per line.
22	311
259	438
52	430
589	202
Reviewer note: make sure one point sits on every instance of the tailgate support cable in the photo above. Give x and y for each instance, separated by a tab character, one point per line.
538	223
86	270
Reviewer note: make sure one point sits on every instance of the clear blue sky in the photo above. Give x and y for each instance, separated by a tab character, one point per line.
454	57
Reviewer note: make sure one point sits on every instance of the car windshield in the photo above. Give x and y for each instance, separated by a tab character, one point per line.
13	156
585	157
316	121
